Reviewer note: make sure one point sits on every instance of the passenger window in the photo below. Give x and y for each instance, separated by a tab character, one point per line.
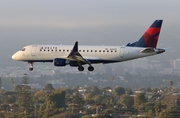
44	50
99	50
87	50
52	50
83	50
103	50
79	50
95	50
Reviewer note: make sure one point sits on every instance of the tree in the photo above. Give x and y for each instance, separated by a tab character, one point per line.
139	99
171	83
171	100
126	100
56	100
77	103
173	112
24	97
66	115
118	91
18	88
9	99
129	91
48	88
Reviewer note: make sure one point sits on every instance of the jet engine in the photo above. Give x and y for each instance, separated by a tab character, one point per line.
60	62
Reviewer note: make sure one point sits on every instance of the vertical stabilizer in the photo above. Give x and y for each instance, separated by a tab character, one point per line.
150	37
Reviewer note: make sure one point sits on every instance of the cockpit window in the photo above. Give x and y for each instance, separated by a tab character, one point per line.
23	49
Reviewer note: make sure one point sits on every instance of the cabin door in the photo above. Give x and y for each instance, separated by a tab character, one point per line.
33	50
121	52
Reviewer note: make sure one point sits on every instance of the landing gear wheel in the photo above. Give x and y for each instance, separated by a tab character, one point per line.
31	68
80	68
90	68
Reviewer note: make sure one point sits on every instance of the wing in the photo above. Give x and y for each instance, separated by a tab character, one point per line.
76	56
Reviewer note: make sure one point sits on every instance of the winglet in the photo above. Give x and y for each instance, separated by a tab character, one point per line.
75	48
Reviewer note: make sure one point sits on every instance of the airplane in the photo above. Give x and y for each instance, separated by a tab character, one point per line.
77	56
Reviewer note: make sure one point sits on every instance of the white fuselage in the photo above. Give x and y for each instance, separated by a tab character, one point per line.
97	54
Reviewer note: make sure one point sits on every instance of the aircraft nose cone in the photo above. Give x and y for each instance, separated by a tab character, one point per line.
13	57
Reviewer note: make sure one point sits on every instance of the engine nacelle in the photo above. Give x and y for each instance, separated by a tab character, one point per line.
60	62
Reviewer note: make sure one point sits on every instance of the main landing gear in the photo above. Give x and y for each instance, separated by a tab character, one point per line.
31	66
90	68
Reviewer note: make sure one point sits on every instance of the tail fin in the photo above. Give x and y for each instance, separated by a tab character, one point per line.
150	37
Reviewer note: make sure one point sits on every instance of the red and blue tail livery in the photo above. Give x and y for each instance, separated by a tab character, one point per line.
150	37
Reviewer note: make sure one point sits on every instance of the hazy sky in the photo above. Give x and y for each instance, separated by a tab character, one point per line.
109	22
86	13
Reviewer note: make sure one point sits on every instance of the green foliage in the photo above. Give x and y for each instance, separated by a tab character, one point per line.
126	100
77	103
4	107
48	88
18	88
93	90
2	115
23	115
66	115
25	79
171	100
139	99
108	111
9	99
129	91
56	100
155	97
173	112
118	91
54	104
171	83
24	98
10	93
146	107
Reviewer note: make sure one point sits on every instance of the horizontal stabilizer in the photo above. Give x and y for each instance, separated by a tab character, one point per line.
147	50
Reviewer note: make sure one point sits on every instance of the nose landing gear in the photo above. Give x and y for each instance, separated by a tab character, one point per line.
31	66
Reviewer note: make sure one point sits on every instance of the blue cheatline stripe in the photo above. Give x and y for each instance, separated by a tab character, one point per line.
92	61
